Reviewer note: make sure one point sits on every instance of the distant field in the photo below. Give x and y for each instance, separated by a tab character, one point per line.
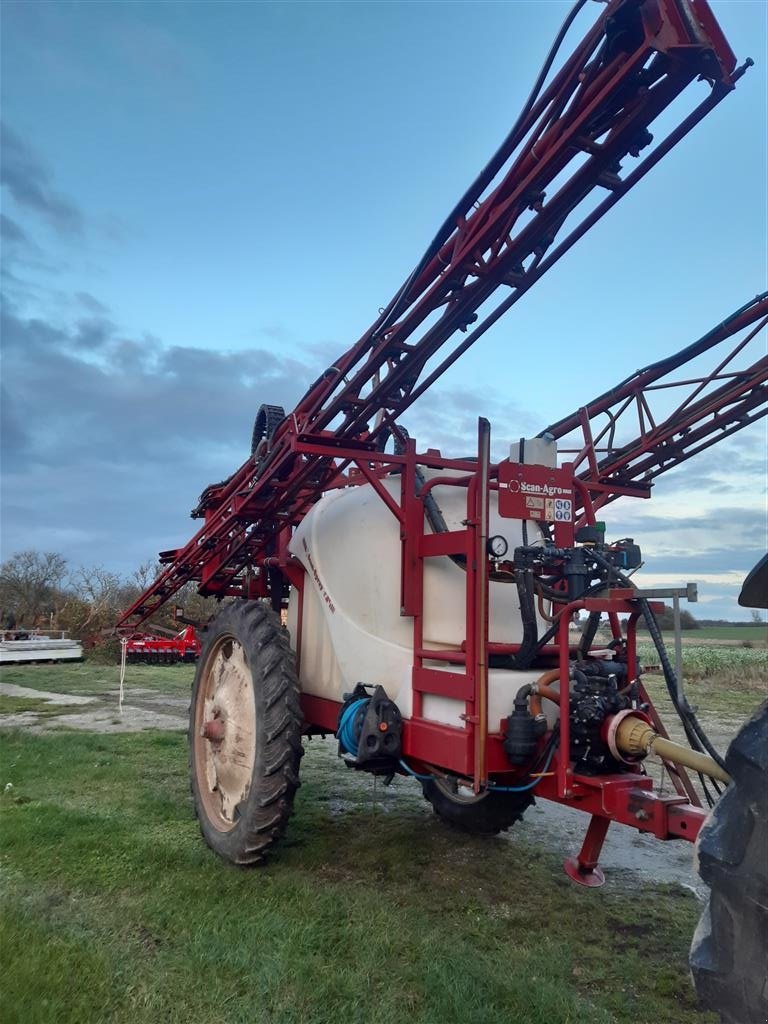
755	636
752	634
757	632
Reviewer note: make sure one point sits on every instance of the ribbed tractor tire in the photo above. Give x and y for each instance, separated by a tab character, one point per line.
245	733
729	954
483	815
268	419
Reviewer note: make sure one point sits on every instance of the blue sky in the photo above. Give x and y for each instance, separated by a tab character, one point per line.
207	203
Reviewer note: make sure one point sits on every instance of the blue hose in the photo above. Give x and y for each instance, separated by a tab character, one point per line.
491	787
348	732
530	785
422	778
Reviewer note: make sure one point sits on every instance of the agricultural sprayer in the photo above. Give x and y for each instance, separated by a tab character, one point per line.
429	599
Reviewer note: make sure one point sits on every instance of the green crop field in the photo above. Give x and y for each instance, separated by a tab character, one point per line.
753	634
740	666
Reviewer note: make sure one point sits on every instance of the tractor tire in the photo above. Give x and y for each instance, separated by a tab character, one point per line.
730	947
483	815
245	733
268	419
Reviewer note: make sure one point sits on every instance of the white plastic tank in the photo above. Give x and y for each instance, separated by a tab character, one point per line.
352	629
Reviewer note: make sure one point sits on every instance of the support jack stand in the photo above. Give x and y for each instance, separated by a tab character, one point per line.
583	868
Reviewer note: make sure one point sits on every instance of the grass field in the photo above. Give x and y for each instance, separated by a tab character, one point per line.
727	667
114	910
87	678
372	911
756	633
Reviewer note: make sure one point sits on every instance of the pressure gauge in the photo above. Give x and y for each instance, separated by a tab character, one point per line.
497	546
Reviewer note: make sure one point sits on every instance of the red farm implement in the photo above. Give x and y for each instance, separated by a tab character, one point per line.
151	649
429	599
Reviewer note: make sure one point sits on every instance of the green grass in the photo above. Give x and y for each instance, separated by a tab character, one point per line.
89	678
40	706
756	633
371	912
714	701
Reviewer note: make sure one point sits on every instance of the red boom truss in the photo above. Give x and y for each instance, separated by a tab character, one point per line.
537	196
668	419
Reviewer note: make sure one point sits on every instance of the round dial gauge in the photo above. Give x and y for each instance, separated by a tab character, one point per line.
497	546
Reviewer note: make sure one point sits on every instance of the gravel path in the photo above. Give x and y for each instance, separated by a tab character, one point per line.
11	690
142	709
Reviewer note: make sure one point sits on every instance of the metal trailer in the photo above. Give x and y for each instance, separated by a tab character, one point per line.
29	646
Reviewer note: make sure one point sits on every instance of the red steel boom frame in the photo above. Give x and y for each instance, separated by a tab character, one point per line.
537	196
707	407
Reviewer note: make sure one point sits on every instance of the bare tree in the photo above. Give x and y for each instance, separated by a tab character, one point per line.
143	577
99	589
29	585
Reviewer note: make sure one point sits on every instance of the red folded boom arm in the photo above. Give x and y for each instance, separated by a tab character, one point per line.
579	145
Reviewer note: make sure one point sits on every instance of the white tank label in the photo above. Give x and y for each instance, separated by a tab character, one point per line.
316	577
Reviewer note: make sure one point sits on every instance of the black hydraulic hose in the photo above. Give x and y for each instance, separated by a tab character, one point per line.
679	699
522	695
431	508
687	716
435	517
552	631
530	642
483	179
436	520
588	635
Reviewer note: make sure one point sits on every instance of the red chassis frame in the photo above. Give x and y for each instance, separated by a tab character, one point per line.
475	751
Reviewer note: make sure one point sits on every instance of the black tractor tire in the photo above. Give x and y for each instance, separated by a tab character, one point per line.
729	954
269	762
268	419
484	815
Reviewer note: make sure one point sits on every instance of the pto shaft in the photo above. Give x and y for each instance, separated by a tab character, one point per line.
636	739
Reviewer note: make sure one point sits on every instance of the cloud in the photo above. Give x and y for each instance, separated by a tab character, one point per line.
722	525
28	182
446	418
105	395
10	232
90	303
715	548
107	439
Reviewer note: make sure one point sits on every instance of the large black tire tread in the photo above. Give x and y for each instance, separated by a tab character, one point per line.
484	815
265	811
729	954
268	419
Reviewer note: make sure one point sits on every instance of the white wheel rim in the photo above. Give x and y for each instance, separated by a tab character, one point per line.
224	742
